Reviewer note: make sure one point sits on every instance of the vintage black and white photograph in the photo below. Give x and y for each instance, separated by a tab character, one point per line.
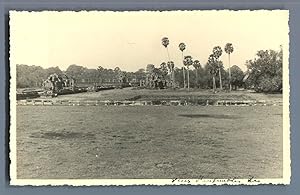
149	97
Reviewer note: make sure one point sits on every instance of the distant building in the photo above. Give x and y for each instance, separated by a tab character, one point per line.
56	83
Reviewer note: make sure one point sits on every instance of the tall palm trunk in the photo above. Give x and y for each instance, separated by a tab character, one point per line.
168	53
188	77
220	76
214	84
172	77
196	77
230	87
183	72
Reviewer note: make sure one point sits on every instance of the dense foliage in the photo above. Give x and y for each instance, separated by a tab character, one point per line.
265	72
33	76
237	76
199	77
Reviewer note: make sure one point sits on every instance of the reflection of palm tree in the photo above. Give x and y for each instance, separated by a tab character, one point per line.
188	61
197	65
229	49
182	48
217	52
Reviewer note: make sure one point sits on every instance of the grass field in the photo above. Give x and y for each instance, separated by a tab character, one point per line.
148	141
144	94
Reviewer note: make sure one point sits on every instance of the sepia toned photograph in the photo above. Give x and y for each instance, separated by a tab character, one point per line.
149	97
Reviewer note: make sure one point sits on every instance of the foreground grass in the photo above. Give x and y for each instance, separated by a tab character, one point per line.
149	142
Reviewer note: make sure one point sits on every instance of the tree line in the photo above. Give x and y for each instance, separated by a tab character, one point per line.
264	72
214	66
32	76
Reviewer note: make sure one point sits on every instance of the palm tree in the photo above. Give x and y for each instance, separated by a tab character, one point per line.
117	72
212	64
197	65
164	72
229	49
171	65
188	61
121	77
164	69
217	52
165	42
100	71
182	48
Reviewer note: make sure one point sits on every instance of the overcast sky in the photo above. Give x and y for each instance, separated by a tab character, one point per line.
131	40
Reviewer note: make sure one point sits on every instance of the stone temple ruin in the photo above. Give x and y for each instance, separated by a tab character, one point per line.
57	84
